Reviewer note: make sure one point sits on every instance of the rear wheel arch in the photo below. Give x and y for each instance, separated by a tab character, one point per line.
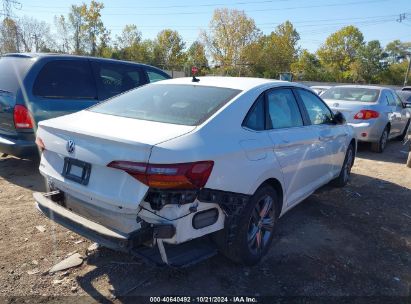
276	185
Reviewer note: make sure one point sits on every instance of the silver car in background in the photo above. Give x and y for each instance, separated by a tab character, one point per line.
377	114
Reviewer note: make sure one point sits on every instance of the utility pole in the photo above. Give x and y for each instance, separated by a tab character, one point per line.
401	18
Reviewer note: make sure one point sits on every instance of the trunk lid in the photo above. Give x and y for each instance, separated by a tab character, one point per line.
349	108
100	139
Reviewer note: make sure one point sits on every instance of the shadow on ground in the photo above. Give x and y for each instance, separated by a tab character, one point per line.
392	152
22	172
339	242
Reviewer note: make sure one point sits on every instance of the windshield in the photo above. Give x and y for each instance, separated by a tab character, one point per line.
352	94
176	104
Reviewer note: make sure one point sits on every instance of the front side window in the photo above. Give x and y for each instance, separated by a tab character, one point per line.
65	79
113	79
318	112
283	109
169	103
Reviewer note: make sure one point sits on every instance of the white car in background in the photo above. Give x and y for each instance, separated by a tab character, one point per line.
376	113
175	169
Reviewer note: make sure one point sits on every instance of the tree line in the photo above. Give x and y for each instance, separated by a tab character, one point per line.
232	45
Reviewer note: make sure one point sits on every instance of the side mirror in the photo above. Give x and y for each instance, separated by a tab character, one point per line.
339	118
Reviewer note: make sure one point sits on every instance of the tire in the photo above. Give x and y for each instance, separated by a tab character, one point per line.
379	146
405	133
254	228
345	172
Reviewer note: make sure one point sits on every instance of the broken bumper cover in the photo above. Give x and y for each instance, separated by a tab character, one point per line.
89	229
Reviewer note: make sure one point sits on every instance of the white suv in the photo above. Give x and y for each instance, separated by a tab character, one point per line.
175	170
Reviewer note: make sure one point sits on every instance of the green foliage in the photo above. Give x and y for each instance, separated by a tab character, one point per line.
394	74
231	31
308	67
274	53
367	65
169	49
196	55
339	52
232	45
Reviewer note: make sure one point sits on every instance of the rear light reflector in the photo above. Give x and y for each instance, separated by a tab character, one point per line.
22	117
170	176
366	114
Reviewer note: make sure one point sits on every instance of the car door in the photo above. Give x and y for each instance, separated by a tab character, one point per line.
116	78
395	114
402	111
332	137
295	144
62	87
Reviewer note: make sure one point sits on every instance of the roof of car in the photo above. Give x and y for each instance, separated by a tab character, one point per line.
238	83
361	86
62	56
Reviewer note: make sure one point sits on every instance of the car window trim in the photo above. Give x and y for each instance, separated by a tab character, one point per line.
306	111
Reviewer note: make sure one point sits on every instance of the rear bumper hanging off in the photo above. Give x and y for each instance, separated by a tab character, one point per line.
89	229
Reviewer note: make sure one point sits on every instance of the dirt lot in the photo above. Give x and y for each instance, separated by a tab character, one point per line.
339	242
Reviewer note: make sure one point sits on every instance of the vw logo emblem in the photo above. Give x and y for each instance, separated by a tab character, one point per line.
70	146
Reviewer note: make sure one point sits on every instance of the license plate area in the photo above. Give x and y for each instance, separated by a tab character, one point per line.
76	170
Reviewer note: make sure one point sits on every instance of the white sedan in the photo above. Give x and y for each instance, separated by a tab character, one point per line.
175	170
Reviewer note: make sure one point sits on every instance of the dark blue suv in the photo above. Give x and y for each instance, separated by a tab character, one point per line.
35	87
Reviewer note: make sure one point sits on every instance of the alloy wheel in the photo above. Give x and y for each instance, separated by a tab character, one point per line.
261	224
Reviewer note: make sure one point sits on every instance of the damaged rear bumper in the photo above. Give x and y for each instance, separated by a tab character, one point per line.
91	230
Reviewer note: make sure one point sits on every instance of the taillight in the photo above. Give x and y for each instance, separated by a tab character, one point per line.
174	176
366	114
22	118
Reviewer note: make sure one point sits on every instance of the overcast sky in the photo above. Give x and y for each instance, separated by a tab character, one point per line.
314	20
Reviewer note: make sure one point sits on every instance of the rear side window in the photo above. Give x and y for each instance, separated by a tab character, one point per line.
318	112
176	104
65	79
113	79
12	72
255	119
283	109
154	76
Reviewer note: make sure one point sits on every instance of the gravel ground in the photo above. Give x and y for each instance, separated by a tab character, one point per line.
354	241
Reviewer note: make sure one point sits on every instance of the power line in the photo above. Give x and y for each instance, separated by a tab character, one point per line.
248	11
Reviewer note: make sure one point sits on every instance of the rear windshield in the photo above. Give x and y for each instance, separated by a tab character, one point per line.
176	104
12	72
352	94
